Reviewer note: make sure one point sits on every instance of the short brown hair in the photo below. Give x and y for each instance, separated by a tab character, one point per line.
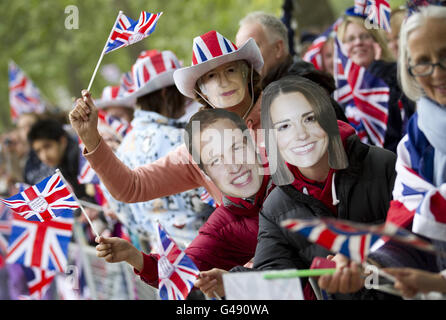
323	112
170	103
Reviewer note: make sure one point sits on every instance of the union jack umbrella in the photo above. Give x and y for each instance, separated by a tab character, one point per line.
40	244
38	281
176	271
364	96
127	31
23	95
44	201
353	240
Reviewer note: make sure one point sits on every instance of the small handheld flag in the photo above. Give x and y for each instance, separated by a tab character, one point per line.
44	201
23	95
353	240
125	32
176	271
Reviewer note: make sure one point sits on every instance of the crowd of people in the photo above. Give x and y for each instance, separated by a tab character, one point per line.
295	150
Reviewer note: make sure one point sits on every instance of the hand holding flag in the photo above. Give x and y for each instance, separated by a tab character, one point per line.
176	271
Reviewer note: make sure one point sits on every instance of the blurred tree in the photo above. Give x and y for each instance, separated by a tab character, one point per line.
58	59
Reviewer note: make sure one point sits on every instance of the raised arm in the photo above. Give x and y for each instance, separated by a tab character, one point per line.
169	175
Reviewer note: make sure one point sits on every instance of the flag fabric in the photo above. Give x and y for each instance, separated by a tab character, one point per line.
314	52
127	31
415	196
364	97
23	95
126	83
354	240
119	127
40	244
44	201
176	271
360	7
5	228
38	281
86	173
207	198
378	13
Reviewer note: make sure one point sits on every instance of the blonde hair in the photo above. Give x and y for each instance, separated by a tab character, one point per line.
377	35
409	84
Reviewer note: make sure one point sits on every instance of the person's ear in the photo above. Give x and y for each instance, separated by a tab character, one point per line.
279	47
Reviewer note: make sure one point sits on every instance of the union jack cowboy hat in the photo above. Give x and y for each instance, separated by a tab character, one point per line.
113	96
152	72
210	51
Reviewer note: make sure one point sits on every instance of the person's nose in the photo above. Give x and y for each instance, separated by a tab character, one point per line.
301	132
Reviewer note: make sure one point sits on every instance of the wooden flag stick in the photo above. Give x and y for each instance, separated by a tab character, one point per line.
78	202
103	53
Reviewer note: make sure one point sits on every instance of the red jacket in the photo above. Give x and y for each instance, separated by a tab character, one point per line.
227	239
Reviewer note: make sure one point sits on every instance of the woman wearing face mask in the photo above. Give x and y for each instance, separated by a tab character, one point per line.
229	236
322	168
367	47
221	76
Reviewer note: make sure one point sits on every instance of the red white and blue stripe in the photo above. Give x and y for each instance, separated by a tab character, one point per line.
416	199
314	52
127	31
378	13
352	239
364	97
210	45
176	271
44	201
23	95
40	244
39	281
86	173
5	228
119	126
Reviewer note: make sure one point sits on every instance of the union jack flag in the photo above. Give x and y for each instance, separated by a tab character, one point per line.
360	7
364	96
353	240
314	52
40	244
38	281
378	13
5	228
415	196
119	126
127	31
86	173
44	201
23	95
176	271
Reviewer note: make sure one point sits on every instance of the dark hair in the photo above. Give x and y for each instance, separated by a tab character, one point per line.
167	101
205	118
256	86
324	113
49	129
